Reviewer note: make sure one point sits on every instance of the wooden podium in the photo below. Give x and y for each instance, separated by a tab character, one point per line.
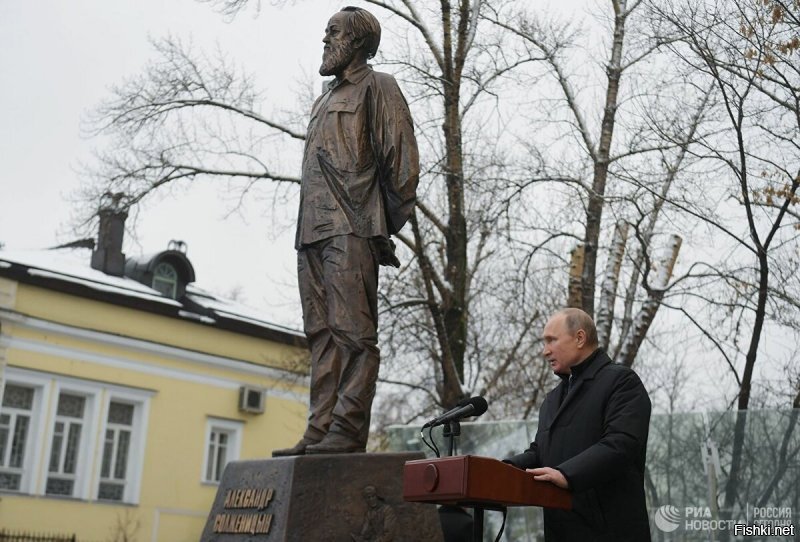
478	482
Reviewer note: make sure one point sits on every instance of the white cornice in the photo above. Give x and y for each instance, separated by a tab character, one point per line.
244	368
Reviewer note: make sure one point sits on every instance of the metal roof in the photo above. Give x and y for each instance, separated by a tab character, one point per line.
67	270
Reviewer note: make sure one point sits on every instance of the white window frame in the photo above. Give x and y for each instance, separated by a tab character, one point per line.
36	463
232	428
36	429
88	439
170	280
15	415
136	450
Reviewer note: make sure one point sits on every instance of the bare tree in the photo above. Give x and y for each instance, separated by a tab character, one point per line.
617	152
595	150
453	322
522	158
747	49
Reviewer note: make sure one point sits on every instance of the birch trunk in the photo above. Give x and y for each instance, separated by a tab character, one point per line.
608	286
647	313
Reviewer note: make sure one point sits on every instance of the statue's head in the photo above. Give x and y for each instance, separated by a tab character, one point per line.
370	494
351	37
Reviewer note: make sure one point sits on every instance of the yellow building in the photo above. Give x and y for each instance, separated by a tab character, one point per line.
125	390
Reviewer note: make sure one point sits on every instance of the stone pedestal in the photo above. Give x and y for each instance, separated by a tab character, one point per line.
319	498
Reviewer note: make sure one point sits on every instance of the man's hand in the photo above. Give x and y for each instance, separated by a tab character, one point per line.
546	474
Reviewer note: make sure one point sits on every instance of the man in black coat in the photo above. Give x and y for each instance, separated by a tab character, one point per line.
592	438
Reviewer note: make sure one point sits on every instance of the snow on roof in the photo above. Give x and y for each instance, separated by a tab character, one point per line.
72	265
103	287
234	310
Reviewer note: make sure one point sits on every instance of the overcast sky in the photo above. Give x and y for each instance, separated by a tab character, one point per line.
58	60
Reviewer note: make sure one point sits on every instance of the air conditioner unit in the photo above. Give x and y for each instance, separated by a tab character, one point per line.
251	399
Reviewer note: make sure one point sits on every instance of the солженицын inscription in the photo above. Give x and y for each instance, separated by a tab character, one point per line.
245	498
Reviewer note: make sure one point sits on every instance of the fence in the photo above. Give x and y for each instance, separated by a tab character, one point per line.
19	536
689	462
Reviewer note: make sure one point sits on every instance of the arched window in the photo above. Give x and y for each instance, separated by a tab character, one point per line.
165	280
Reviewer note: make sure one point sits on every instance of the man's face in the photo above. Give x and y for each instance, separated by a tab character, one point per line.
371	498
561	348
339	51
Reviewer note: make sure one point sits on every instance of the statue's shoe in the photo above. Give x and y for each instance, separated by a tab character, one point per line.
297	449
336	443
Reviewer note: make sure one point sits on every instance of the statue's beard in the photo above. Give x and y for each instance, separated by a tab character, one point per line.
336	59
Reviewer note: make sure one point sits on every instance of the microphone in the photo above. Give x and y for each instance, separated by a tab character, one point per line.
474	406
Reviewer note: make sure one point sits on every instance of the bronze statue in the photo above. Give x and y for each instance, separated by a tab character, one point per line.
359	179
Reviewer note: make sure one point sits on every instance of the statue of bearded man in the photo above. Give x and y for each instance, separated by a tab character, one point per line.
359	178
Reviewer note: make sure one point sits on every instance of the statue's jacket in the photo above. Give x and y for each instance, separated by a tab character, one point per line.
361	164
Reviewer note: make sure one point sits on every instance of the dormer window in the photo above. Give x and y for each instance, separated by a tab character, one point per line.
168	272
165	280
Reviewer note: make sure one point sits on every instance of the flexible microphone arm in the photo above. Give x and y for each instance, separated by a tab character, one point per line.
474	406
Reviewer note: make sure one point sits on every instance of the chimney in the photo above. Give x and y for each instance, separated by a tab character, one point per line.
107	255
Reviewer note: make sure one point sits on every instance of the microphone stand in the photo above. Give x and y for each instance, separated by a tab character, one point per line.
451	431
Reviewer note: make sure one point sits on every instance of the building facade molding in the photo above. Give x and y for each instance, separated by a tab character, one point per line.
246	368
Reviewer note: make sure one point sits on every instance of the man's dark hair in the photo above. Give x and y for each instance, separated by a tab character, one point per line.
363	24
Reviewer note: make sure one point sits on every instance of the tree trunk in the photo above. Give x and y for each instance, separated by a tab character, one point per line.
594	209
574	296
739	434
608	287
647	313
454	304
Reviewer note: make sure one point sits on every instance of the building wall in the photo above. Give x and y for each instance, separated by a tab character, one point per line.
183	380
184	334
